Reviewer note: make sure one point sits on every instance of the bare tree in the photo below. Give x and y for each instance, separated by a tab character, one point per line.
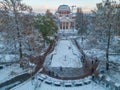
105	22
16	9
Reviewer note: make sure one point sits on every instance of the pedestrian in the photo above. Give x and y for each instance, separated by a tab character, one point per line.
93	77
39	83
96	59
69	47
60	68
82	59
82	39
51	56
32	79
92	70
49	72
52	73
92	62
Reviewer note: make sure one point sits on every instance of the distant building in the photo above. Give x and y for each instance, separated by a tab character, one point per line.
65	17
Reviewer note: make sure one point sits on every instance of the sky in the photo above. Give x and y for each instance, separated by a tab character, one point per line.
42	5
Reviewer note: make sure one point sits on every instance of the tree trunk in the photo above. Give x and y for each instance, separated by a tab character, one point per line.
18	33
107	49
20	50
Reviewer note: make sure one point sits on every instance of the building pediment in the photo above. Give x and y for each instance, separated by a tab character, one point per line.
65	19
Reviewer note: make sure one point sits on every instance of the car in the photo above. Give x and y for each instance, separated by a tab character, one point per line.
1	67
40	78
86	82
57	83
67	84
78	83
48	81
43	76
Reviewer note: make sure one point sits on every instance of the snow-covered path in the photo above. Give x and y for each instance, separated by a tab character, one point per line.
66	54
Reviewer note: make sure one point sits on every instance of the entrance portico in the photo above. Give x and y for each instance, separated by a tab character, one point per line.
65	24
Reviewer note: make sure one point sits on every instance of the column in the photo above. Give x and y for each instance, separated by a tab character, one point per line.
69	25
65	25
62	25
59	26
74	24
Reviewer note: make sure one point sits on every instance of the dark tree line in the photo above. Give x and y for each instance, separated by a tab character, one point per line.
81	22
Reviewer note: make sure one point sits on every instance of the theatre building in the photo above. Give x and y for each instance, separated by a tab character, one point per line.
66	19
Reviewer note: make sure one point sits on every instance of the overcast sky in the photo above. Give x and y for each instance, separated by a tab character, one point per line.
43	5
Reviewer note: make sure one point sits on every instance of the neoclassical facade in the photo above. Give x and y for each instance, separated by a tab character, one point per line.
65	18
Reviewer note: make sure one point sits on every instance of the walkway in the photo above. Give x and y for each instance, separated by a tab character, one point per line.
68	61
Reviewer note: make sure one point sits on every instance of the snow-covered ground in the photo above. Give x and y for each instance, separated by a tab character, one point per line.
8	57
9	72
65	54
24	86
94	52
115	58
99	53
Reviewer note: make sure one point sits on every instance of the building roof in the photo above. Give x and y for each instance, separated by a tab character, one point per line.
64	8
